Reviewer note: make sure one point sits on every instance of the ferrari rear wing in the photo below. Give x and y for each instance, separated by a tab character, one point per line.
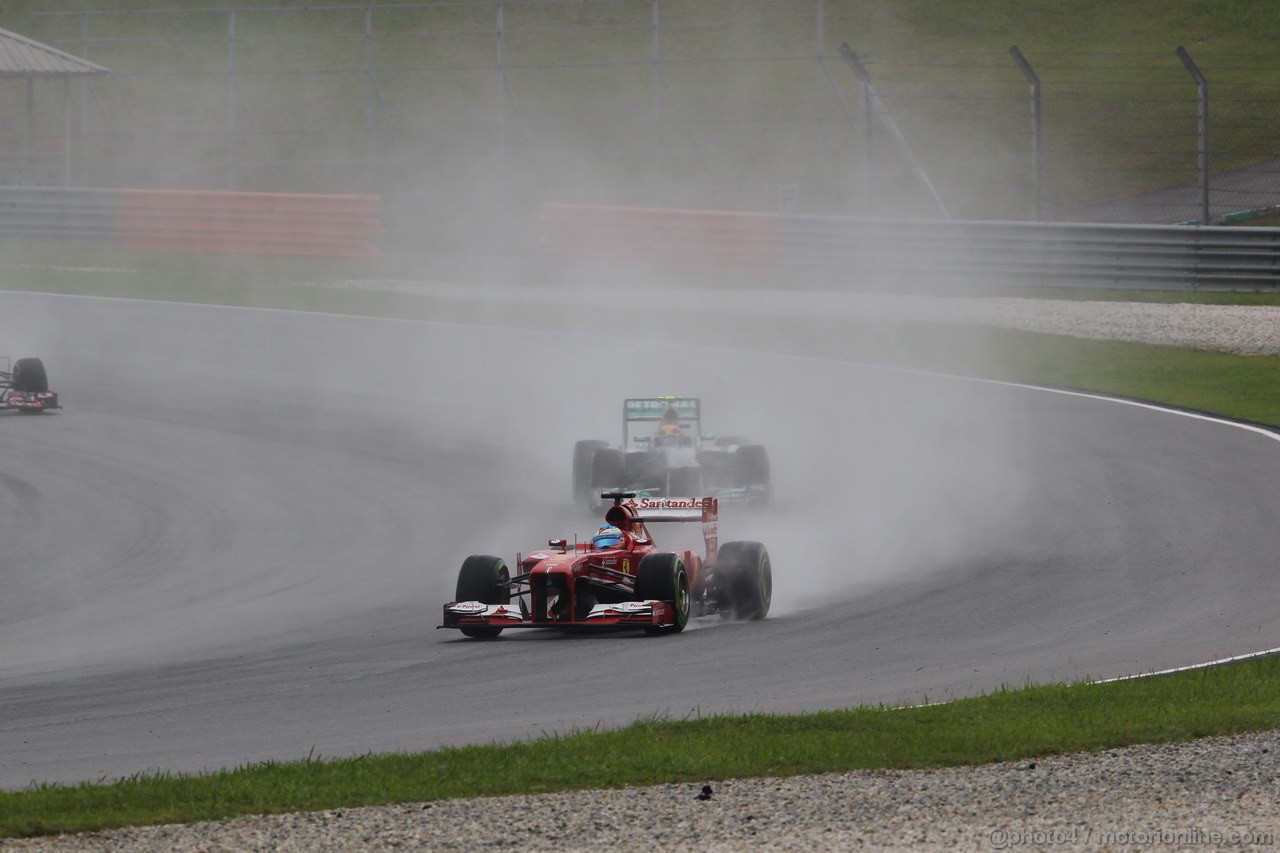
641	511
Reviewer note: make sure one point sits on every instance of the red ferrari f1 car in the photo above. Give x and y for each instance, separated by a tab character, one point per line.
25	387
619	578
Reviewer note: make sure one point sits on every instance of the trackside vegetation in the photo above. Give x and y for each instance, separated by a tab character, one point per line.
1008	725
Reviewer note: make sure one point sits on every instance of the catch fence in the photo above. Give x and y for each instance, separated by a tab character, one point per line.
467	116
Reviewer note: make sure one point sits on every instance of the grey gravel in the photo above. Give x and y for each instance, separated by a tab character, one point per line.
1209	793
1240	329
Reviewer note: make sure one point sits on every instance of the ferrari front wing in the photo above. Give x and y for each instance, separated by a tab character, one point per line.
469	614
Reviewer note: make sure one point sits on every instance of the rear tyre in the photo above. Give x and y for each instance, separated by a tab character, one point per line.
752	464
583	452
485	579
662	577
29	376
607	470
751	469
743	580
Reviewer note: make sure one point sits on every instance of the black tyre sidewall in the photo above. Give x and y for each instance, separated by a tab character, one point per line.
583	452
29	376
752	465
607	469
744	580
662	577
480	579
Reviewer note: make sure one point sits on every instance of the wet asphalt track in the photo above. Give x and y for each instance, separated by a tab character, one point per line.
233	543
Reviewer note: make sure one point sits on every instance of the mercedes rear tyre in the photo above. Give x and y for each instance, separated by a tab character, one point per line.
485	579
751	462
662	577
607	470
583	452
743	580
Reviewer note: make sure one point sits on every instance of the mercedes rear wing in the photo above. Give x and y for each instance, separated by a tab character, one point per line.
650	410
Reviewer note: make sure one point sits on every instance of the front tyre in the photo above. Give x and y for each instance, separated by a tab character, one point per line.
662	577
743	580
485	579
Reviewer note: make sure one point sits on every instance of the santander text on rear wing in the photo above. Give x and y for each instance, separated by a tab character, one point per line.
645	510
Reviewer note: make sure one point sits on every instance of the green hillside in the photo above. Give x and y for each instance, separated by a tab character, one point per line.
469	130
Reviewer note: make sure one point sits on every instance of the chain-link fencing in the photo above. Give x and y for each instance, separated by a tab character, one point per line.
467	116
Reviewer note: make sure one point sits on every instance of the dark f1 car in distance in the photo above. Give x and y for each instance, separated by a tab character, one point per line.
24	387
665	452
620	578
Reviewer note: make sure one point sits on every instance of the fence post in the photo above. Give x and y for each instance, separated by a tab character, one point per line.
504	142
231	99
85	90
1036	165
1202	129
870	96
655	94
819	82
370	84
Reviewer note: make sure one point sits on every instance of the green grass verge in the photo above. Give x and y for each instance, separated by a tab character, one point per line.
1002	726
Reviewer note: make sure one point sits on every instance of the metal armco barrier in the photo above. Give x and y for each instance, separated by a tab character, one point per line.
1078	254
48	212
196	221
689	239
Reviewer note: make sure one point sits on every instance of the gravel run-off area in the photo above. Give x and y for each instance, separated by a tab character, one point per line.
1214	793
1240	329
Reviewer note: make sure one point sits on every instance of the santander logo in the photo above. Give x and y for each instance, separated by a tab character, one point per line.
667	503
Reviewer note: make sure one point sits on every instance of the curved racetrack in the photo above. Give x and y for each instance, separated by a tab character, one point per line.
233	543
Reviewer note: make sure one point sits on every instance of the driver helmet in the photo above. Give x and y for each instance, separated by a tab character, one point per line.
606	537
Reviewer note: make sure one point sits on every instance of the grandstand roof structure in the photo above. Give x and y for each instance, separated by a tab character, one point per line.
24	57
28	60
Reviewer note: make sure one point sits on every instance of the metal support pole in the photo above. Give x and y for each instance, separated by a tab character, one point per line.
820	82
231	99
868	148
66	131
1037	169
1202	130
28	117
655	94
370	86
655	56
848	117
84	90
504	164
851	59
